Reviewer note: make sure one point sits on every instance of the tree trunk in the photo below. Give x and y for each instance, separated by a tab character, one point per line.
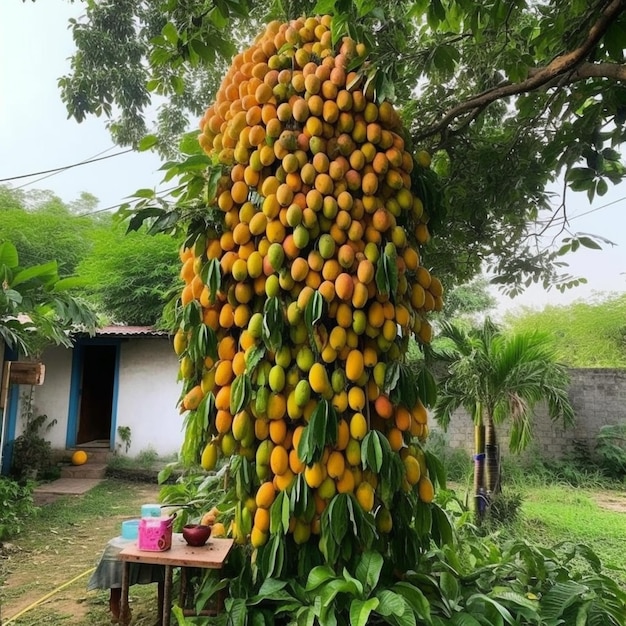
492	458
479	471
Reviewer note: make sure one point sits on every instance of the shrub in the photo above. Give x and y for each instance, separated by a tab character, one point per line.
32	453
611	450
457	462
16	506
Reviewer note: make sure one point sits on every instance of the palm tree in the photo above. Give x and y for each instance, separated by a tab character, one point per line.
497	377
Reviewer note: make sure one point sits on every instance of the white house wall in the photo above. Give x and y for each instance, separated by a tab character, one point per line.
148	392
146	402
52	398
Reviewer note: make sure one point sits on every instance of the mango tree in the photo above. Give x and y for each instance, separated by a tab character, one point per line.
302	285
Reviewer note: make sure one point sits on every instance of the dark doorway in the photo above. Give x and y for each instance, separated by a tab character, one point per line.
96	394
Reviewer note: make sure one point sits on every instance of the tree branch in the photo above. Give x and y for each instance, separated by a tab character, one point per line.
563	64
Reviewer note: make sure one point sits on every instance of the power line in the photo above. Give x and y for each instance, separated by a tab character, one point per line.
55	173
65	167
597	208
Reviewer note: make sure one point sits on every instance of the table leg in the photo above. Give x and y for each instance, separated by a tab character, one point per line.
160	593
167	596
124	609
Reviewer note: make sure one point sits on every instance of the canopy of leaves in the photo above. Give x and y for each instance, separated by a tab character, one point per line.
131	276
585	333
497	376
126	278
37	223
507	95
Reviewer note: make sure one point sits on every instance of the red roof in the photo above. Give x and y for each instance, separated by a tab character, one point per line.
130	331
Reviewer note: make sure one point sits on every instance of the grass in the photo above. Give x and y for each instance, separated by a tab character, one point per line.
560	513
63	542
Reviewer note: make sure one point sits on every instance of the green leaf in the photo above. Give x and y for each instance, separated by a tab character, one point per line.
441	527
338	517
147	142
236	610
276	515
314	309
8	255
587	242
170	33
369	568
391	603
46	272
254	357
392	376
427	387
559	597
360	610
415	598
240	392
273	323
372	452
319	576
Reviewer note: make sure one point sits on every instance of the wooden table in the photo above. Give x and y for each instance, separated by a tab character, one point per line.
210	556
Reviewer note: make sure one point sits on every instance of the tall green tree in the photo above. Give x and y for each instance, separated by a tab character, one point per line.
127	279
586	333
131	277
498	377
506	95
42	227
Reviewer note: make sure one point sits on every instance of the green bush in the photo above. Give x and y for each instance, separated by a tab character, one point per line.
467	578
611	450
17	506
457	462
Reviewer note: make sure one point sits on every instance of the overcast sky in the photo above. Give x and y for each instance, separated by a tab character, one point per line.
35	135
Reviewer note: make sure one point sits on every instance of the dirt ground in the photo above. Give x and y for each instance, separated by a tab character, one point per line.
611	500
39	563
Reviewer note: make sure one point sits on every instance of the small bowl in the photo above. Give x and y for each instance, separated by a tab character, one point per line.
196	535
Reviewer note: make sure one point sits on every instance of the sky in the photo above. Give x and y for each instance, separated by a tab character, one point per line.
35	135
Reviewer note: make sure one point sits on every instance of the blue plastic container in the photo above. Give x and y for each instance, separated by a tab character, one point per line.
150	510
130	529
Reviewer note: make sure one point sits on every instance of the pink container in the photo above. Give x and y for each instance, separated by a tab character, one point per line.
155	533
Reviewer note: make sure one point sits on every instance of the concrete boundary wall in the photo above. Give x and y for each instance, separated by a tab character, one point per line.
598	397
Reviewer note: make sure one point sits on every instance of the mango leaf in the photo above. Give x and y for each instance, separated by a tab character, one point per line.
441	527
423	520
415	598
360	610
277	525
273	323
253	357
436	470
427	387
276	556
211	275
319	576
371	452
314	309
338	517
392	376
382	278
236	610
240	393
369	568
390	603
